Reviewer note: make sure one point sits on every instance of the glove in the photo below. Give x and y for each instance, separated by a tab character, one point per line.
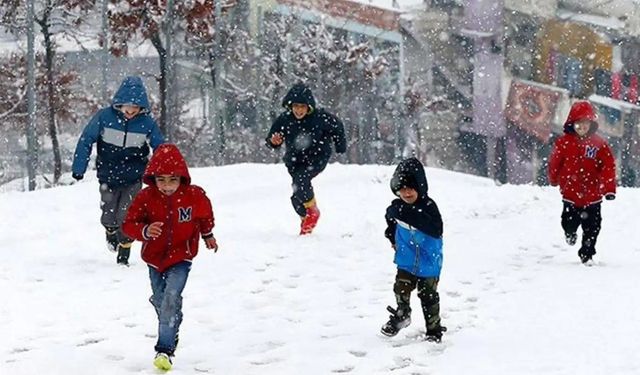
77	176
610	196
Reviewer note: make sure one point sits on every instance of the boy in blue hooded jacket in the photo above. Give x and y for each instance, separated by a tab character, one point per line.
414	227
123	132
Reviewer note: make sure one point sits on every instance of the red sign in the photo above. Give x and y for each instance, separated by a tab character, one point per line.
531	107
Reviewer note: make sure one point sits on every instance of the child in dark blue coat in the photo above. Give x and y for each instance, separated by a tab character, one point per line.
123	133
307	133
414	227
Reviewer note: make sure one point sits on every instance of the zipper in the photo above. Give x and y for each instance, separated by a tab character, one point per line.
416	264
126	131
170	227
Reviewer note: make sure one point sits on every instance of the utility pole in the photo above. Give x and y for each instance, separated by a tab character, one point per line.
169	124
32	141
105	52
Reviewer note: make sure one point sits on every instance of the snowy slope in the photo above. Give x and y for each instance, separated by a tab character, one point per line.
514	296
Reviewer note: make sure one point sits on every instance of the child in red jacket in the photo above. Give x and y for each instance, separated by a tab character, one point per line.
169	216
582	164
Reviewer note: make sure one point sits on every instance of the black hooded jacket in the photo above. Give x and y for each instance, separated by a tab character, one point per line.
307	141
423	214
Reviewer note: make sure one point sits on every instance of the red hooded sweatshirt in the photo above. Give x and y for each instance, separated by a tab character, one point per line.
584	167
186	214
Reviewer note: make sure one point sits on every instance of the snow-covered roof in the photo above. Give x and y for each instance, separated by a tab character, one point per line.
612	23
392	4
615	8
613	103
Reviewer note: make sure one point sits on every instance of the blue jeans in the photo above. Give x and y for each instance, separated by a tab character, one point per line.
167	290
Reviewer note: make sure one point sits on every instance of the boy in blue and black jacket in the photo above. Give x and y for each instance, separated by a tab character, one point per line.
123	133
414	227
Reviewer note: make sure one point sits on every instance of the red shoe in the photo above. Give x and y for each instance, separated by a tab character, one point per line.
310	220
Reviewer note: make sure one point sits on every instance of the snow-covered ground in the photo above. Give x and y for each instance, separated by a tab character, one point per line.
513	294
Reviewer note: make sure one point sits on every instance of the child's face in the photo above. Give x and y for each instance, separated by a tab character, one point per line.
299	110
582	127
130	111
167	184
408	195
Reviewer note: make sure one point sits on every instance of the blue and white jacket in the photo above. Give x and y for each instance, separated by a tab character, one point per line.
123	145
415	229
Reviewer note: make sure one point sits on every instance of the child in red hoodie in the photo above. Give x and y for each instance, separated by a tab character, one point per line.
582	164
169	216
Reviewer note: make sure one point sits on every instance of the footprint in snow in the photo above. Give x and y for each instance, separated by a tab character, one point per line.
90	341
358	353
343	370
266	361
400	363
20	350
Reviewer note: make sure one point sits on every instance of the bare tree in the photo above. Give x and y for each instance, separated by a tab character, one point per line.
54	18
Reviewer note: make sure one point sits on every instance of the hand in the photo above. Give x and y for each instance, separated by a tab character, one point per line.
276	139
610	196
154	230
77	177
212	244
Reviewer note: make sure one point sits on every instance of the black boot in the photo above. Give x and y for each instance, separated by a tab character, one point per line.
435	334
400	318
586	255
124	250
111	234
571	238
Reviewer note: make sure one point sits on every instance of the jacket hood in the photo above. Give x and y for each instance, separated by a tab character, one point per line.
166	159
131	91
410	173
299	93
581	110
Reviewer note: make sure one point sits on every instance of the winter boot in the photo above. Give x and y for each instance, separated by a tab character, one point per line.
586	255
571	238
124	250
311	219
435	334
112	238
162	361
400	318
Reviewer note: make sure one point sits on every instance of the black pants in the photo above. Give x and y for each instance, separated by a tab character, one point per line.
301	176
589	218
427	292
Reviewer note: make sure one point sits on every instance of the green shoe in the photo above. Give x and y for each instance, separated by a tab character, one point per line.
162	361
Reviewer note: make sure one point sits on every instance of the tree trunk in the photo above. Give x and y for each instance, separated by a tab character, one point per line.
218	118
162	81
51	111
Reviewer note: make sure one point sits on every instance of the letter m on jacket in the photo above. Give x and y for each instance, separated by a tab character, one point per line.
184	214
590	152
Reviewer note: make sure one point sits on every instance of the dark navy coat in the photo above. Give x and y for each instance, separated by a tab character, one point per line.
307	141
123	145
415	229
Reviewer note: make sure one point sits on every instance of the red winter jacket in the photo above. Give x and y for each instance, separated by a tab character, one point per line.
186	214
584	167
